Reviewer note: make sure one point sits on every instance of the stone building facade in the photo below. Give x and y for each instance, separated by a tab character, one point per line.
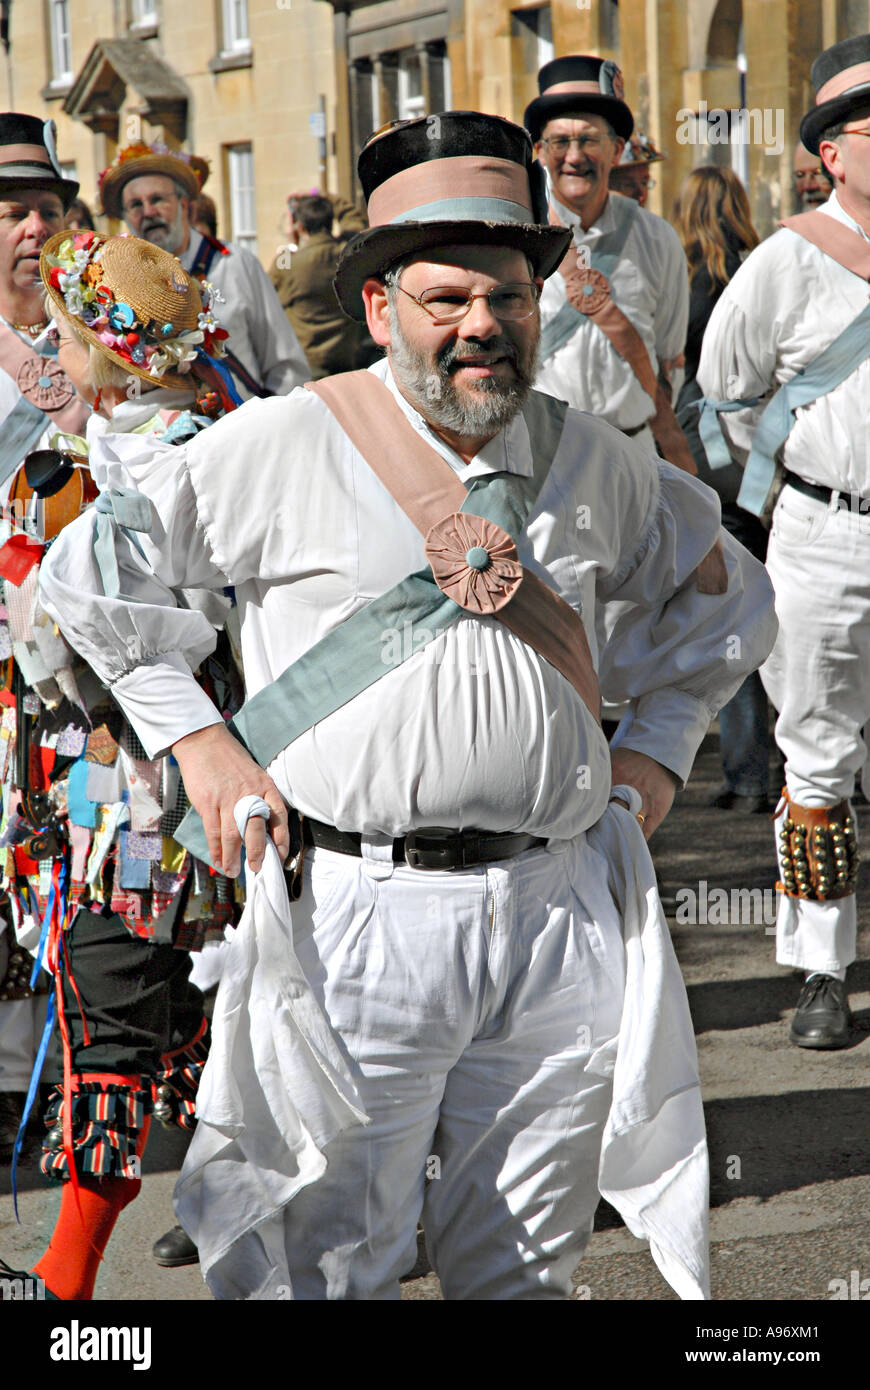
248	84
710	80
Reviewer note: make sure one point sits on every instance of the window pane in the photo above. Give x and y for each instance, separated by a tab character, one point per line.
243	216
235	18
143	12
61	48
411	101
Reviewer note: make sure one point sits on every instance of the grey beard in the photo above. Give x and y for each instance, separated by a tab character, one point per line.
172	238
484	409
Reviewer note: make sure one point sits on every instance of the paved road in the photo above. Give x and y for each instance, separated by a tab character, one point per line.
790	1160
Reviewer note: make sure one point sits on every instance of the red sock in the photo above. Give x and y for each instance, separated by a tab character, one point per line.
70	1264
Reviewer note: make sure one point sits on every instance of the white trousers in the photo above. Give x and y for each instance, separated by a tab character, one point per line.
469	1004
818	678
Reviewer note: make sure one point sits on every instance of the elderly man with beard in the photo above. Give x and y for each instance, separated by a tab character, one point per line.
467	1006
153	189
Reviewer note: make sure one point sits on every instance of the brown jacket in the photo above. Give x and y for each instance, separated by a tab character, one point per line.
331	341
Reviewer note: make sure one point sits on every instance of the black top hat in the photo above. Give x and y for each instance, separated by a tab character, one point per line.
577	84
28	157
841	77
456	178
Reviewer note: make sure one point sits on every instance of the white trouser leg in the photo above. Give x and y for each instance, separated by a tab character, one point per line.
818	677
469	1004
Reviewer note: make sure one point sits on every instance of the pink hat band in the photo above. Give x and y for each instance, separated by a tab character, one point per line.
843	82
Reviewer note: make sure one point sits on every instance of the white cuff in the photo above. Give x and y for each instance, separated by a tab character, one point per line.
163	702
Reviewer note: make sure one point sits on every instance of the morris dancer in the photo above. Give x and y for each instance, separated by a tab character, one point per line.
478	984
786	369
152	189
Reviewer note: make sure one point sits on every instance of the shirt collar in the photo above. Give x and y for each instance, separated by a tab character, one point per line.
188	256
835	209
605	223
509	451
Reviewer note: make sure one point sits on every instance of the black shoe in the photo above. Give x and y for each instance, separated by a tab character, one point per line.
175	1249
17	1284
727	800
11	1110
823	1017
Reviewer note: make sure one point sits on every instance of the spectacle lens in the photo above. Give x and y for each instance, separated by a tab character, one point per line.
449	304
560	144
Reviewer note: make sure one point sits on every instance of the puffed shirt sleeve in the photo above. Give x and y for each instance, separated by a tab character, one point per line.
143	646
676	654
281	362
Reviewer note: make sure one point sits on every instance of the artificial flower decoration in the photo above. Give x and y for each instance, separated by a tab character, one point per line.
474	562
73	270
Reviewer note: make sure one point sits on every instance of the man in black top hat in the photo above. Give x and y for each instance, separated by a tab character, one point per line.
475	1012
789	341
33	198
580	124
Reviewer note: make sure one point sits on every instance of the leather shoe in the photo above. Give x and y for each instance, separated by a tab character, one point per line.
727	800
11	1110
175	1249
823	1017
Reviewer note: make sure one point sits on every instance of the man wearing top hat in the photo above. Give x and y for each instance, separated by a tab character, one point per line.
467	1007
152	189
787	350
36	401
580	125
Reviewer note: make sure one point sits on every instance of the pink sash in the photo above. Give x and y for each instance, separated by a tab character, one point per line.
430	494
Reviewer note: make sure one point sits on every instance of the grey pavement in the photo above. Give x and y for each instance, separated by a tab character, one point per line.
787	1129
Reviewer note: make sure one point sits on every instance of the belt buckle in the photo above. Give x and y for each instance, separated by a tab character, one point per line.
436	847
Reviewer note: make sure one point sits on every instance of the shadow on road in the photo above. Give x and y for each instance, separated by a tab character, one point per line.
749	1003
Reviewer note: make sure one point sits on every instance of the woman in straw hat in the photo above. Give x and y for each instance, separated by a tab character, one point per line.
139	340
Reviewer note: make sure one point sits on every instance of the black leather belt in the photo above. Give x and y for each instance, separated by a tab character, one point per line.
432	848
824	494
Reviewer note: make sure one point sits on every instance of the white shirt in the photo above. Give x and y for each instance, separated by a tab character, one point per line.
650	285
475	730
785	305
260	334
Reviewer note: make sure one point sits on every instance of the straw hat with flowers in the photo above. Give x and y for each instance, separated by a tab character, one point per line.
134	302
135	161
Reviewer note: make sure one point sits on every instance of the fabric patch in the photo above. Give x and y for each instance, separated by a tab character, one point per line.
80	839
81	810
101	747
111	818
71	741
105	783
135	871
143	844
172	855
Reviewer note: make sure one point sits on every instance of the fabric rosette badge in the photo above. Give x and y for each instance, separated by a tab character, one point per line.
161	319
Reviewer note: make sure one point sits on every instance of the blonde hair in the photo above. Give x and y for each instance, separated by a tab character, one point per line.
710	200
